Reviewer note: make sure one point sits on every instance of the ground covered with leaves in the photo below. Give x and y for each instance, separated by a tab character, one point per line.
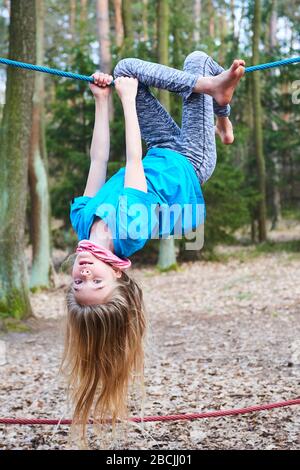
221	335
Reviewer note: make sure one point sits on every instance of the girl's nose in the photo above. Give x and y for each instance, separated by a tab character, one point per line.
85	271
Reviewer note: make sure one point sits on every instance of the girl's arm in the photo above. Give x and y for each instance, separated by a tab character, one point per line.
101	140
126	88
99	149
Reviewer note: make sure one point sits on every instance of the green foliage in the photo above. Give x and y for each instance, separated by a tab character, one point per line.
172	267
228	201
291	246
291	213
14	304
13	325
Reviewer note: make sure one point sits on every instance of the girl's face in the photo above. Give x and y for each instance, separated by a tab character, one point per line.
93	280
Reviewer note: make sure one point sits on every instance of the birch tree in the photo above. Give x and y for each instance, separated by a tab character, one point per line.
37	173
167	257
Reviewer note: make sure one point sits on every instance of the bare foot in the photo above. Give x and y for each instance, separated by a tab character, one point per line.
225	83
224	130
222	86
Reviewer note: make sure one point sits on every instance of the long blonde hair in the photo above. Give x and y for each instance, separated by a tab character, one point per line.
103	351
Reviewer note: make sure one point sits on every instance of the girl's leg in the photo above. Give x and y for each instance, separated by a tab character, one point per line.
158	128
197	141
157	75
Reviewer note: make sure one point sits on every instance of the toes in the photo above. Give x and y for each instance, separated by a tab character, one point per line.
241	70
238	68
236	64
229	140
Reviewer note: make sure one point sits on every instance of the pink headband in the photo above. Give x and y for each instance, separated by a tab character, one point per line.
103	254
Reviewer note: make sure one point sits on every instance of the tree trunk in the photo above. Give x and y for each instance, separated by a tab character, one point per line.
145	36
237	37
208	25
232	13
197	17
223	32
119	30
250	166
276	197
211	13
103	29
83	11
83	20
128	27
176	44
273	25
72	19
257	119
14	148
37	174
167	257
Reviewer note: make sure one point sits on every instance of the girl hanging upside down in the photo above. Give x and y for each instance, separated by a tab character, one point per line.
113	219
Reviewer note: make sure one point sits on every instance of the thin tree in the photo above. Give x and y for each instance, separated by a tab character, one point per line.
257	121
72	19
167	257
222	31
128	26
83	19
211	18
197	19
37	172
14	148
83	11
232	14
208	24
145	36
276	197
119	29
103	29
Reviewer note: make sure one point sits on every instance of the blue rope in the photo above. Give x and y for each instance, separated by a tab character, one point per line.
90	79
39	68
270	65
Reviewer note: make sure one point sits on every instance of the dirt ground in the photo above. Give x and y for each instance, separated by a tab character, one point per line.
221	336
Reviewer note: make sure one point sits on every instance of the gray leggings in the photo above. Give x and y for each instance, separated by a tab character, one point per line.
196	138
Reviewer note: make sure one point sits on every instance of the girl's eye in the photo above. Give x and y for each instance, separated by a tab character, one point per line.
97	281
78	281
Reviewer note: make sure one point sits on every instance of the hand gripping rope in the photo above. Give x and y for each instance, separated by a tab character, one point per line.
90	79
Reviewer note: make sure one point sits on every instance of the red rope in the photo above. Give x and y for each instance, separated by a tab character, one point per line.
210	414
